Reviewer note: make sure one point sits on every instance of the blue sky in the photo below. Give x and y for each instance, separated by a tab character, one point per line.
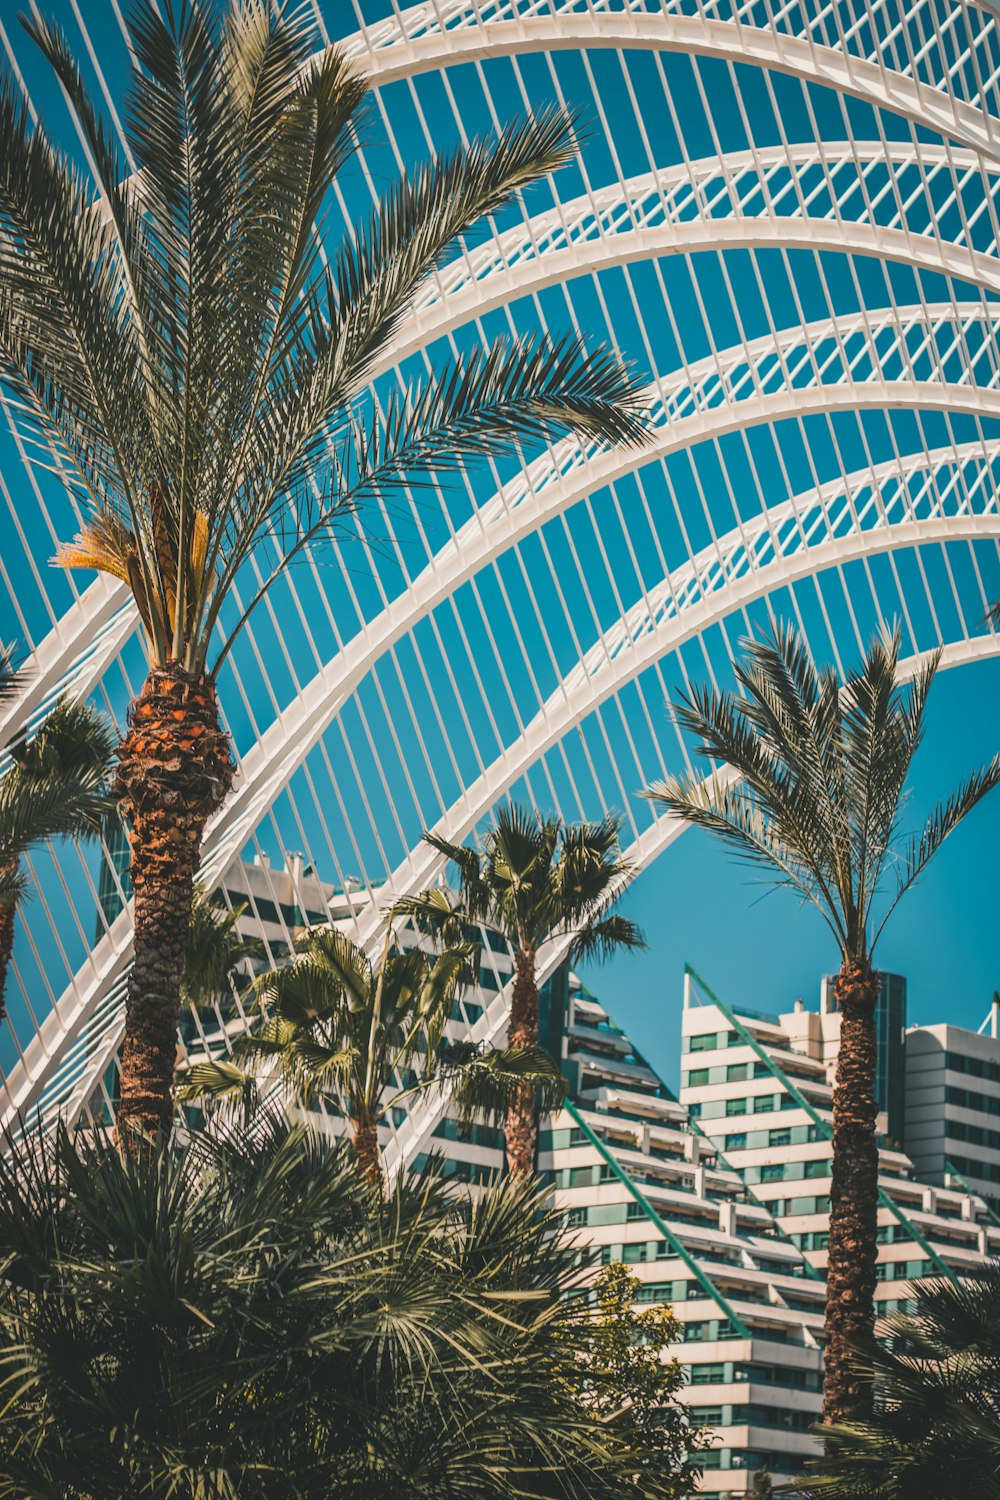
760	948
695	905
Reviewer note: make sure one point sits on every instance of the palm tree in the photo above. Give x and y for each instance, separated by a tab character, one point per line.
55	784
200	370
935	1428
368	1039
244	1318
532	878
823	772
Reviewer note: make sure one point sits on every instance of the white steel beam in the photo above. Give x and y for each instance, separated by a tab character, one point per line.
415	43
772	551
623	653
416	1131
646	217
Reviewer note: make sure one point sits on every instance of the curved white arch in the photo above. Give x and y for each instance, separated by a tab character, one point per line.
620	656
415	1133
418	42
584	235
705	402
712	203
685	413
696	593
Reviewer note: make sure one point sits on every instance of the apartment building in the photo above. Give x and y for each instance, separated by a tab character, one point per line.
952	1129
760	1087
643	1184
718	1201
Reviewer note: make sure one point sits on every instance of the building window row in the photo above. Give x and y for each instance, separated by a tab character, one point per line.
989	1171
986	1104
711	1041
789	1135
792	1207
973	1135
786	1171
904	1270
752	1415
975	1067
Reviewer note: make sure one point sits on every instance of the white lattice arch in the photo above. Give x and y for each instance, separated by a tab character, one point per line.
641	852
642	220
750	562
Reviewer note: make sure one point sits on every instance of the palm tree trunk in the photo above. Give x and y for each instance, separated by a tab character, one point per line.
175	769
850	1287
8	911
366	1149
521	1127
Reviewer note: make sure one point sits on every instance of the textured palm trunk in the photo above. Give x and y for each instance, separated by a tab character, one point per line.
175	769
522	1131
853	1250
366	1149
8	911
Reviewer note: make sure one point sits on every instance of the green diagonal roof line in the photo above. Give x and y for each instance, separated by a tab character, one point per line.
747	1188
786	1082
625	1179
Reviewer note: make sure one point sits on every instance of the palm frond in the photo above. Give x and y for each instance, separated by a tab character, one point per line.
740	820
214	1081
11	676
939	826
484	1080
419	222
215	949
433	912
606	937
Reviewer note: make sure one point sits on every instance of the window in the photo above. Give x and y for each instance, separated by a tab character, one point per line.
773	1172
736	1142
761	1070
780	1138
817	1169
697	1078
636	1211
737	1072
708	1374
635	1255
707	1042
736	1106
763	1104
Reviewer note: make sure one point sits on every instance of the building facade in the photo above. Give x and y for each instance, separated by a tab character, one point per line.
761	1087
953	1106
718	1200
788	217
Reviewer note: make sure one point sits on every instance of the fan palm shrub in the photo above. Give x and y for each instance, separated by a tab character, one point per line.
200	368
532	878
935	1428
54	784
243	1318
366	1040
823	770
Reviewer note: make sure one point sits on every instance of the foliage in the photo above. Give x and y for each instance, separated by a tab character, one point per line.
822	773
532	878
366	1039
56	783
628	1378
935	1430
241	1318
198	362
216	949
